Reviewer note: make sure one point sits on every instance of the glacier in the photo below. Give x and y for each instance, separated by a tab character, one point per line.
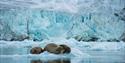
44	19
93	29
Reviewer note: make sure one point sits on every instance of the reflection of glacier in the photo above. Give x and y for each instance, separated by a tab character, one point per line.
43	19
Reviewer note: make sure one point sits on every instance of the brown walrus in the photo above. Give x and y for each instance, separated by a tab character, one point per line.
52	48
57	49
66	48
36	50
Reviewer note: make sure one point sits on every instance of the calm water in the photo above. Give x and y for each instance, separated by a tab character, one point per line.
96	57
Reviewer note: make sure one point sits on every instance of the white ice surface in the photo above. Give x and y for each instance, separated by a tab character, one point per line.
78	49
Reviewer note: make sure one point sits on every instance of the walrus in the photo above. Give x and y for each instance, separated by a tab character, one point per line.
57	49
66	48
53	48
36	50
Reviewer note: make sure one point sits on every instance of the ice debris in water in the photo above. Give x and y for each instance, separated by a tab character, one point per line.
12	48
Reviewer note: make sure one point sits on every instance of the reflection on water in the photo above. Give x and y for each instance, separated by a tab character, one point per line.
52	61
22	59
37	61
33	60
96	57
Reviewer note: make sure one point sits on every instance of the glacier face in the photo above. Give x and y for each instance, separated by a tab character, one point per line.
45	19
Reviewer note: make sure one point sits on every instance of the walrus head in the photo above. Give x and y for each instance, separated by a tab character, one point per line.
36	50
59	50
67	49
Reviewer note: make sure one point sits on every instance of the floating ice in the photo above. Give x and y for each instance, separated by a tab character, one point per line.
22	48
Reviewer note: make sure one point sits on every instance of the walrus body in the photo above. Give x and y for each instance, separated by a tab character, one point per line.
57	49
53	48
36	50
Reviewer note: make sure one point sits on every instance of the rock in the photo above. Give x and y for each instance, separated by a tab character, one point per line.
19	37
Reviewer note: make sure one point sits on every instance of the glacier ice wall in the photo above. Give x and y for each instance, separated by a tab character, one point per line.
45	19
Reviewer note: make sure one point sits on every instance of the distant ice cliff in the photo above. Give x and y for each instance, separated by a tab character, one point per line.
44	19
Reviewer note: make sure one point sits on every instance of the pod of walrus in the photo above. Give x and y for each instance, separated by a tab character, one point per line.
57	49
52	48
